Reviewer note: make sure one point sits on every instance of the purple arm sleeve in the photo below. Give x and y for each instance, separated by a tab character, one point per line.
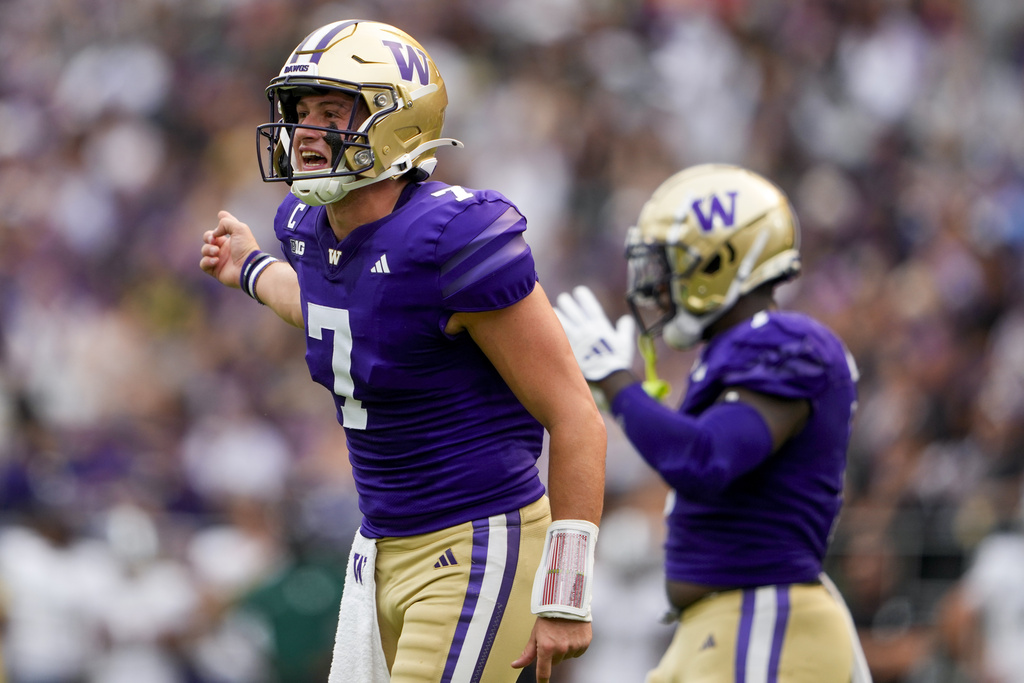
696	456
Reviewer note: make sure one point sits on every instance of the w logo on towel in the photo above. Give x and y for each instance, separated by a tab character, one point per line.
358	562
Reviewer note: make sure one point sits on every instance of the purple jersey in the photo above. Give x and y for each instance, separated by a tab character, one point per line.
771	525
435	436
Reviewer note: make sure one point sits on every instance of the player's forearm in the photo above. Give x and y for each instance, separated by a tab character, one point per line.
576	471
278	288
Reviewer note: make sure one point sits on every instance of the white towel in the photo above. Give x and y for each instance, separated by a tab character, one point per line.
358	653
861	673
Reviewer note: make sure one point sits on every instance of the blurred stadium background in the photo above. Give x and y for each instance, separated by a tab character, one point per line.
175	504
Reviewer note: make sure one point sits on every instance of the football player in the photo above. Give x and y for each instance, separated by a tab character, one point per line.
755	455
425	321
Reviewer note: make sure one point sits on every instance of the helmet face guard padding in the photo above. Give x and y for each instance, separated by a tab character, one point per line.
708	235
399	104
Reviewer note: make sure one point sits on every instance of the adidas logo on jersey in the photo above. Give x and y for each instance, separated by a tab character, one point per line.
381	266
445	560
708	643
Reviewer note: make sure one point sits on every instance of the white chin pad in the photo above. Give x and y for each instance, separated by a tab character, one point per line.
319	191
562	587
683	332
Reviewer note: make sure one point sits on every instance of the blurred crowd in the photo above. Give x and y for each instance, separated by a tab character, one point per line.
175	500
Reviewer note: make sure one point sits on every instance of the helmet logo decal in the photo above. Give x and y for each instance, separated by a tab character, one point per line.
707	221
413	59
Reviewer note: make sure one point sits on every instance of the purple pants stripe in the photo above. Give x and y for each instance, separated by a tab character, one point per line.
481	615
481	533
743	639
745	645
512	524
778	637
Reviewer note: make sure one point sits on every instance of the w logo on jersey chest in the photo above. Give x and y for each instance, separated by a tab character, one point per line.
334	256
710	209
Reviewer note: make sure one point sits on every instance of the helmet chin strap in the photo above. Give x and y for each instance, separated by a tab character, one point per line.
321	191
686	330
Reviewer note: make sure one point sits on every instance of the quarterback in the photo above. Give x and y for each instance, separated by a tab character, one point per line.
756	453
446	363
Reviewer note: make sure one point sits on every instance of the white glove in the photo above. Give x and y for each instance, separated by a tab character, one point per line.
600	349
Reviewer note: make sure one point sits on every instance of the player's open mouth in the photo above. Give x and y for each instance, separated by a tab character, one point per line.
312	161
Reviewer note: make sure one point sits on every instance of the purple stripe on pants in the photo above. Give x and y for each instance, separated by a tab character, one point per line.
779	635
512	525
743	638
747	613
481	534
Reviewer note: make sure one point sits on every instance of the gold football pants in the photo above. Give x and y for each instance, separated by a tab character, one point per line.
769	634
454	605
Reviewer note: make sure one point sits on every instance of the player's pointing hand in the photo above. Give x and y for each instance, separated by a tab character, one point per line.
225	248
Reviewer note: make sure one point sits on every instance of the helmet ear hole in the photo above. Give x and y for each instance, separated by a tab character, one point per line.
715	264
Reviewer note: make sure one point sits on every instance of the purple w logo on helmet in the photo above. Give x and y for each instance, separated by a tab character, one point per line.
412	59
707	220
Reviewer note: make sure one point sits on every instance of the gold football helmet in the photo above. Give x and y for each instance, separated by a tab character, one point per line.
708	235
395	124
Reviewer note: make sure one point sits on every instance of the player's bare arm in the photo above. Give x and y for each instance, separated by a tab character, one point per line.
554	391
526	344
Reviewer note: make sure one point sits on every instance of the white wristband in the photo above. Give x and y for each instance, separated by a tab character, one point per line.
562	587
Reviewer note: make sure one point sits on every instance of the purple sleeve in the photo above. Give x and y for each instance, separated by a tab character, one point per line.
696	456
776	363
485	262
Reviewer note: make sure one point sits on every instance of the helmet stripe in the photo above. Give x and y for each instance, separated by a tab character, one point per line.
319	39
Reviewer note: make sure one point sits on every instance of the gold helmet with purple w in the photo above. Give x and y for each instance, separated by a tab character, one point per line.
394	128
707	236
